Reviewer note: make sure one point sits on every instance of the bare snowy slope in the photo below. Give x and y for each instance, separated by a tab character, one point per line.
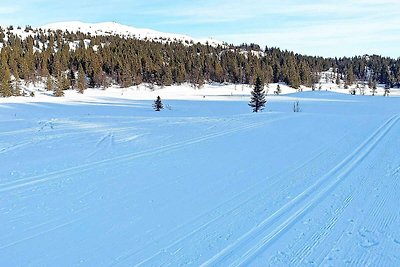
113	28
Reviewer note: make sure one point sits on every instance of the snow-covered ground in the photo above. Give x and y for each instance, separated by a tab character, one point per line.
103	180
213	91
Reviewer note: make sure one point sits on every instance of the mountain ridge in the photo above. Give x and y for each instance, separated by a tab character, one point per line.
114	28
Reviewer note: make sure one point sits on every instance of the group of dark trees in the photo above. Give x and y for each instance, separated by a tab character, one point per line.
64	60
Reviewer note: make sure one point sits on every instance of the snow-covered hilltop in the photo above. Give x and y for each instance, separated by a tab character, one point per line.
113	28
107	55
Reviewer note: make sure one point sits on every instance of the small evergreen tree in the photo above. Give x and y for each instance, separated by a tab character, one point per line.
126	76
258	101
59	88
157	105
17	87
386	91
166	79
278	90
5	86
374	88
370	83
49	83
350	76
81	80
71	78
337	80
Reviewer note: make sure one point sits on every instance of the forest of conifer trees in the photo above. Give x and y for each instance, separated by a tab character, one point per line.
64	60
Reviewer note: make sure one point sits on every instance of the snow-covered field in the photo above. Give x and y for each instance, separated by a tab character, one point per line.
213	91
103	180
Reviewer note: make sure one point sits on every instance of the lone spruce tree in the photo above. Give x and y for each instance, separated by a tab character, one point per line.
258	101
5	84
81	80
157	105
49	83
58	90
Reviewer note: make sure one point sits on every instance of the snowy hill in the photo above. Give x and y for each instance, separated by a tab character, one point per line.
231	59
113	28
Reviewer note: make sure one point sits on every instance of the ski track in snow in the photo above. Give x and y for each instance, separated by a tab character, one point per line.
330	201
34	180
290	213
254	192
207	214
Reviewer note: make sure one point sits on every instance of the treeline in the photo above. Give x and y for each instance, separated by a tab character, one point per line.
63	60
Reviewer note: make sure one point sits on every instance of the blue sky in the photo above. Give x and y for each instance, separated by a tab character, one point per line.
327	27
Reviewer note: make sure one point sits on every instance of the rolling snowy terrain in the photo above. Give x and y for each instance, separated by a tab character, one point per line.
114	29
103	180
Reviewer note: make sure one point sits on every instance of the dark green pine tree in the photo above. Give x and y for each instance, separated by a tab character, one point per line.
126	76
81	80
258	101
49	83
157	105
350	76
5	85
386	91
17	87
370	83
278	89
58	90
166	79
337	79
71	78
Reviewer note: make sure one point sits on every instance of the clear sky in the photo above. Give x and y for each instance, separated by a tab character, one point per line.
325	27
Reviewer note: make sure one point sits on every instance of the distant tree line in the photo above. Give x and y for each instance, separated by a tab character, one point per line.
63	60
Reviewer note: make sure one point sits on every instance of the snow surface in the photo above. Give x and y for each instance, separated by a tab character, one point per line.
103	180
213	91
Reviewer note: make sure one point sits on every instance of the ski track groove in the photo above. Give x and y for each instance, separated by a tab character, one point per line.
348	164
40	233
340	240
396	171
301	254
84	127
319	237
338	173
232	210
53	135
372	230
45	224
125	158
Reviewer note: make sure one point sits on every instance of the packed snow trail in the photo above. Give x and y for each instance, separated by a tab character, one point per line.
120	159
290	212
208	182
